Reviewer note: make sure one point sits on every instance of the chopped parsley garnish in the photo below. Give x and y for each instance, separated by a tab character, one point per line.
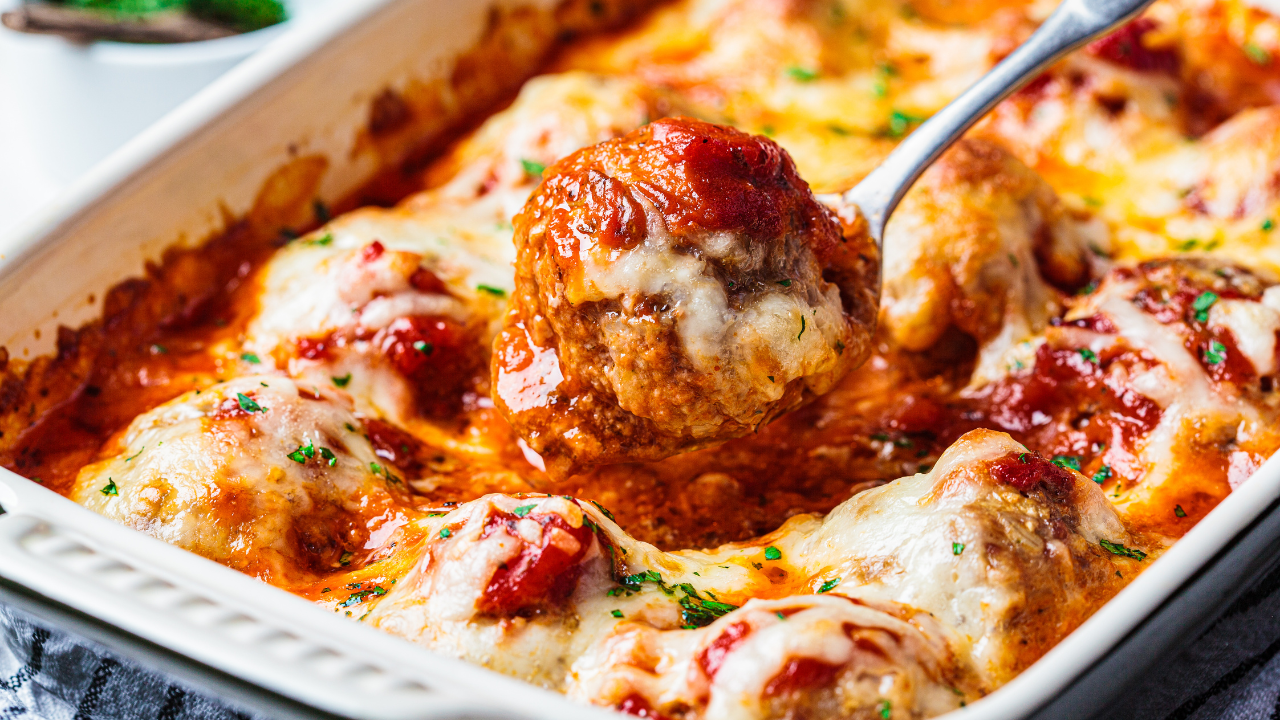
424	347
378	469
110	488
144	447
251	358
768	130
606	512
1066	461
494	291
1179	512
1257	54
772	553
1202	305
1022	458
1013	260
1216	353
802	74
445	533
784	283
1103	474
801	328
523	510
900	122
248	404
616	613
324	239
1088	354
326	590
356	598
780	615
341	381
158	349
829	585
302	454
1187	245
957	548
1088	289
1268	225
695	610
328	456
1118	549
884	708
532	167
345	558
839	347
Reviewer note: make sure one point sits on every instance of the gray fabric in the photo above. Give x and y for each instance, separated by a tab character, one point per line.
47	674
1231	672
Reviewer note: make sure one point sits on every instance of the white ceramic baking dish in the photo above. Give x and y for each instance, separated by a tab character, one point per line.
309	93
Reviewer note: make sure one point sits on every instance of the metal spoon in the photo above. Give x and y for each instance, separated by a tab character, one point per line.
1073	24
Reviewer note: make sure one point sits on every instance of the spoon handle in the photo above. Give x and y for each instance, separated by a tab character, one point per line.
1073	24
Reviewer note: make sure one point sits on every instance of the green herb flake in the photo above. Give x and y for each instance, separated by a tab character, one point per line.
1202	304
1088	354
1216	354
532	168
345	558
1268	225
829	585
772	553
802	328
885	709
784	283
616	613
523	510
605	510
1067	461
1103	474
424	347
1257	54
110	488
1022	458
342	381
780	615
1118	549
957	548
248	404
802	74
1188	245
900	122
326	590
251	358
325	239
157	349
494	291
1179	512
329	458
144	447
446	533
1088	289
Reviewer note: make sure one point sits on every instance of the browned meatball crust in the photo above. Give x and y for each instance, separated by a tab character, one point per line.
676	287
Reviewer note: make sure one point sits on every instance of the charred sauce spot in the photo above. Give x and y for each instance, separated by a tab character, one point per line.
713	656
541	575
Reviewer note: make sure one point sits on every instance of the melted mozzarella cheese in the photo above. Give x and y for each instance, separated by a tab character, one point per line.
241	473
894	547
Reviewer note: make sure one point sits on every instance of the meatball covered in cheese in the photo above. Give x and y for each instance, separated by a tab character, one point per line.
265	475
676	287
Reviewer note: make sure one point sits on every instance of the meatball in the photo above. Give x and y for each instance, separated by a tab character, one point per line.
676	287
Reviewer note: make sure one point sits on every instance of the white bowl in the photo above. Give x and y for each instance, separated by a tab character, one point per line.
74	104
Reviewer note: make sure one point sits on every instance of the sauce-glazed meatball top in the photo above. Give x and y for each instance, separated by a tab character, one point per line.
676	287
